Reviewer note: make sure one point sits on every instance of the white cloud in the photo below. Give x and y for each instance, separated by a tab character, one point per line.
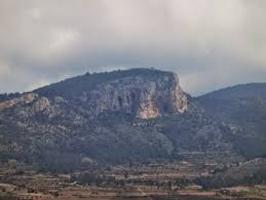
4	69
34	13
221	40
62	39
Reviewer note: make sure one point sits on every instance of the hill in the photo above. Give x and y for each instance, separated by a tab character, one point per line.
114	117
243	107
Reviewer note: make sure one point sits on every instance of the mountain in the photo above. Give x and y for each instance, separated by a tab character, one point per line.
243	107
112	117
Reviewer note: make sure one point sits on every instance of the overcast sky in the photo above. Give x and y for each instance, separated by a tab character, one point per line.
208	43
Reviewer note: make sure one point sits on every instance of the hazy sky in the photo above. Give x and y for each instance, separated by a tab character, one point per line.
209	43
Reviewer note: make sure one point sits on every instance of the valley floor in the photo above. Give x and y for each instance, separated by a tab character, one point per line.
164	181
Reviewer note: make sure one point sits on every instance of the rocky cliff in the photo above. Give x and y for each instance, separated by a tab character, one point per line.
143	97
144	93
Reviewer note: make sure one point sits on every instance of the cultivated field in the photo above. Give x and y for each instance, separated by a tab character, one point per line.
163	181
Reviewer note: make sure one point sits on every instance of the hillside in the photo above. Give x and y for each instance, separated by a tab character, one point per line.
115	117
243	107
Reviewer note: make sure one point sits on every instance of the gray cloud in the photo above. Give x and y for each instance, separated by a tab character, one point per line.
210	44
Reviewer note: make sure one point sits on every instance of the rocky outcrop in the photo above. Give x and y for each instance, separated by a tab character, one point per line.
143	93
23	100
145	97
40	105
29	105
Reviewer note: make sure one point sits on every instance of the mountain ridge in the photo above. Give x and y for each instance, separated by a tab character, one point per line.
92	116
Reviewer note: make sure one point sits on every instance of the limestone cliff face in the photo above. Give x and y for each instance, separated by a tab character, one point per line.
145	97
143	93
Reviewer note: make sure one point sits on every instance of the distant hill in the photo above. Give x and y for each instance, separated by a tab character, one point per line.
244	107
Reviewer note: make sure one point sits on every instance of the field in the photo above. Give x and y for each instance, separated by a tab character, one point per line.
157	181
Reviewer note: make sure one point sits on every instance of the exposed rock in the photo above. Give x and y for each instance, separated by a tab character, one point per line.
144	97
23	100
40	105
